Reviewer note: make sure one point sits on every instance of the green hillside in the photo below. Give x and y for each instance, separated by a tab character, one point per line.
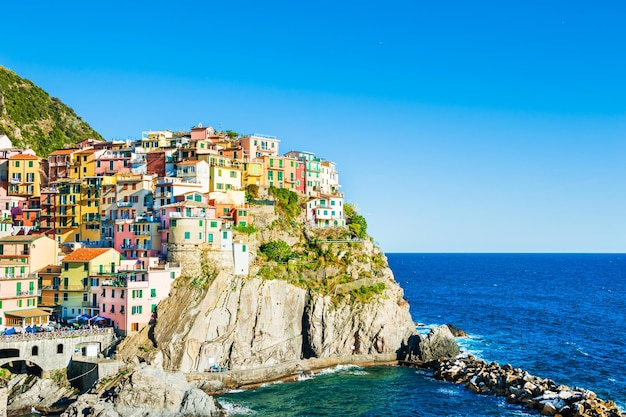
31	118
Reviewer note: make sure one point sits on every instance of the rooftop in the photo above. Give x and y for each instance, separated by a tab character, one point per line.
86	254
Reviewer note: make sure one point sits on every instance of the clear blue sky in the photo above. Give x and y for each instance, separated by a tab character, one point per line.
456	126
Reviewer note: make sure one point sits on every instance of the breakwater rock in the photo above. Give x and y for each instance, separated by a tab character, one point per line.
520	387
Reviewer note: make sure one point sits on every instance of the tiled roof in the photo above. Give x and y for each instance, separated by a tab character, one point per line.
85	254
64	152
24	156
21	238
188	163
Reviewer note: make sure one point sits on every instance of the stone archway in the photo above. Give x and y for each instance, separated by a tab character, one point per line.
21	366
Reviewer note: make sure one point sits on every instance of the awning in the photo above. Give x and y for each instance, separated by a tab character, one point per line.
33	312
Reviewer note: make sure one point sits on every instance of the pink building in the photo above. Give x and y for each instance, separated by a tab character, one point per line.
137	238
131	296
112	162
200	132
257	145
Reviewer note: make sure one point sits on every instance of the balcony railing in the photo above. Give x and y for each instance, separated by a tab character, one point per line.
18	276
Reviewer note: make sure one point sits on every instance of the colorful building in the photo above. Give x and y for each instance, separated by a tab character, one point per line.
130	296
325	211
259	145
20	258
24	178
59	163
80	271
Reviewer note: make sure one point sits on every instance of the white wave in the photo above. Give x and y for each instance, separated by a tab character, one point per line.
267	384
233	409
450	392
341	368
471	345
582	352
234	391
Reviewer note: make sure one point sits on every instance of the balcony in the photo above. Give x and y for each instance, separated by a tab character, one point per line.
51	287
16	181
177	215
18	276
90	218
73	288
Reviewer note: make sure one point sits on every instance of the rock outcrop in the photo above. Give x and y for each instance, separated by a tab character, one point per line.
438	344
26	391
147	391
246	323
337	299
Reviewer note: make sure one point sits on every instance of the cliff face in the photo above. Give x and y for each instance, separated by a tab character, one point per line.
335	297
339	298
243	323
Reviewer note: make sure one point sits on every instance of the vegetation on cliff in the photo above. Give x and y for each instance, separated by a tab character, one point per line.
340	262
31	118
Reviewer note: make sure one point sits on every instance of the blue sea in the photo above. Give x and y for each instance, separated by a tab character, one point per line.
558	316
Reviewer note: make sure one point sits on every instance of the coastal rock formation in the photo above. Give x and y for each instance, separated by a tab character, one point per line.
147	392
339	298
245	323
438	344
456	332
26	391
520	387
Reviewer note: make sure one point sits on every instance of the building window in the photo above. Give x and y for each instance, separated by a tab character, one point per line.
60	348
152	292
187	235
65	296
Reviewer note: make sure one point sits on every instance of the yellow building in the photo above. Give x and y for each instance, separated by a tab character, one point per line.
90	199
252	173
156	139
24	179
66	221
76	281
84	163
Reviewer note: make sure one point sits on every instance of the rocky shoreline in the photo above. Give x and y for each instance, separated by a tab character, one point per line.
520	387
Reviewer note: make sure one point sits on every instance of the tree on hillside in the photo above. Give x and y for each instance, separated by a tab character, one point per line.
356	223
276	250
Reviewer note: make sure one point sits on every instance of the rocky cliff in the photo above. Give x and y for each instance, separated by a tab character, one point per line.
240	322
326	299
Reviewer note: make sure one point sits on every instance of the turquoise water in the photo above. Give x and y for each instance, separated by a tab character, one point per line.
559	316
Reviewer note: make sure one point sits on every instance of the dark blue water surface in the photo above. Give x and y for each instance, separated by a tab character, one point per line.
559	316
